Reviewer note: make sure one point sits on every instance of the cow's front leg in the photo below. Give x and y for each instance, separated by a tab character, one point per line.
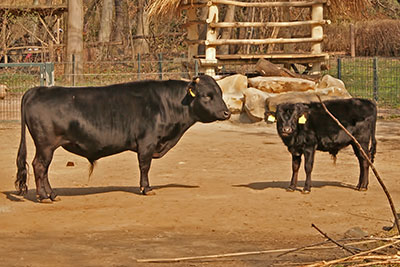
144	166
308	166
296	161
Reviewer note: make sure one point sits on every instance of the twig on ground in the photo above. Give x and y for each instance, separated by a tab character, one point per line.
364	154
333	241
326	263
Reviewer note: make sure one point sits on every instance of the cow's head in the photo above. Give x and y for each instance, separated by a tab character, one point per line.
290	117
206	99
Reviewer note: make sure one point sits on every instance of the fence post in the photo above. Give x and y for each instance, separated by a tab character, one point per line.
73	69
49	69
160	65
375	75
339	68
42	74
196	68
138	66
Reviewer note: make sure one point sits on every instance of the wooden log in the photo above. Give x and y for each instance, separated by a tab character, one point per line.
260	41
266	68
268	4
265	24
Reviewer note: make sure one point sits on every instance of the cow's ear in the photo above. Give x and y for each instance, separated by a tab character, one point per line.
192	91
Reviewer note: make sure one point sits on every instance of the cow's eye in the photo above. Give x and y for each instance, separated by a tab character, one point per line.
207	97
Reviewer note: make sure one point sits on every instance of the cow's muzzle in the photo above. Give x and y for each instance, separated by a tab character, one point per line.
226	114
286	131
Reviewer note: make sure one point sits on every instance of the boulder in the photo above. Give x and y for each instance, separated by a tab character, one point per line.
233	101
234	84
281	84
232	88
306	97
329	81
254	103
3	91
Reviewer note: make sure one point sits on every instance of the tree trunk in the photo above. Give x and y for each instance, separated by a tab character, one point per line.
143	28
49	2
227	32
119	20
74	41
106	20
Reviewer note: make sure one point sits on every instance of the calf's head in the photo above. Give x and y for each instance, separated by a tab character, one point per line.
289	117
206	99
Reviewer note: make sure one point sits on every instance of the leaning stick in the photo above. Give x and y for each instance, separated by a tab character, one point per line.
333	241
396	220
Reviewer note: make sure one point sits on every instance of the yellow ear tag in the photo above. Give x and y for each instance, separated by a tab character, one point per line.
191	92
271	118
302	119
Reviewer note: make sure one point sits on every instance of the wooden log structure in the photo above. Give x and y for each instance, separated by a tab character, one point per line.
210	60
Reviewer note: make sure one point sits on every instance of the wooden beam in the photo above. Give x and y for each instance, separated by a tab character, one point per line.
258	41
267	24
268	4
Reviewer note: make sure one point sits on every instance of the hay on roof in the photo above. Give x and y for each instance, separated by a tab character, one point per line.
163	8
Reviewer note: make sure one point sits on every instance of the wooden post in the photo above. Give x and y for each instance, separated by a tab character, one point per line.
75	39
352	41
192	33
287	48
317	13
211	52
3	37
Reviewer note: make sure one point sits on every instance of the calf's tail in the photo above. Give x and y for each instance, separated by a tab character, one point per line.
22	165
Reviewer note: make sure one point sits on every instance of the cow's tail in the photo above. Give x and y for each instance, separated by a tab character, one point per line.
372	149
91	168
22	165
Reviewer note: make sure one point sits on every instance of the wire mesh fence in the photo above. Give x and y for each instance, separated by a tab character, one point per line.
372	78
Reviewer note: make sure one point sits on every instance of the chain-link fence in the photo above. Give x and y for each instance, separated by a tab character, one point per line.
373	78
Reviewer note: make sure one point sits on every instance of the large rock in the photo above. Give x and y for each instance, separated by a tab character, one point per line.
254	103
306	97
281	84
3	91
327	88
329	81
232	88
234	84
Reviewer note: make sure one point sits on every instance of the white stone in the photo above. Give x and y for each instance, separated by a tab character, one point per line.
280	84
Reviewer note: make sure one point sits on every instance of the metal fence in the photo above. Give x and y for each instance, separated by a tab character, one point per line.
373	78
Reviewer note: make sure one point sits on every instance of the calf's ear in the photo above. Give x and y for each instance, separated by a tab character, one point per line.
269	116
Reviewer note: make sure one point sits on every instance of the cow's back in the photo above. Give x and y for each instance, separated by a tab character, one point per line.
357	115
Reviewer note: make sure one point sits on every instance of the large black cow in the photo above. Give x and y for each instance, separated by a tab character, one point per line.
305	128
148	117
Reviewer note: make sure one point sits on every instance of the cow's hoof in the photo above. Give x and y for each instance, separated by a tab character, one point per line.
44	200
56	198
290	189
147	191
362	189
305	191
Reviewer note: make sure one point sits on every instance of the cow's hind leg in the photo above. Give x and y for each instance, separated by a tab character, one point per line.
41	164
364	167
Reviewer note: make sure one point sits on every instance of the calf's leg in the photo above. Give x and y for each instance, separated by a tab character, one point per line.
364	167
296	161
308	166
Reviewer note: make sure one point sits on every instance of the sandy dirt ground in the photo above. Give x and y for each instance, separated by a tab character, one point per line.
220	190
